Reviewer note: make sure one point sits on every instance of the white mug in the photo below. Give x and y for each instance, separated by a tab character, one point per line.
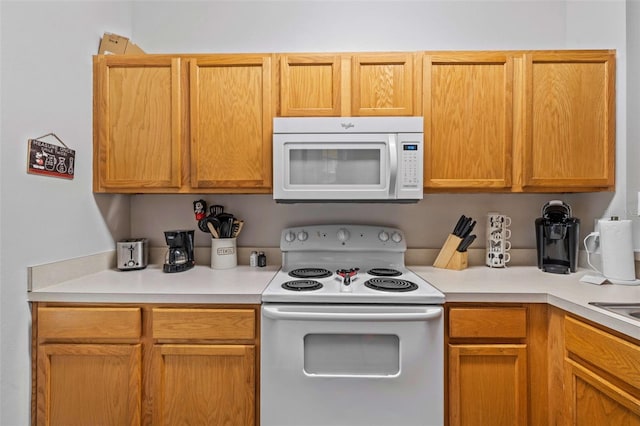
497	220
498	260
498	246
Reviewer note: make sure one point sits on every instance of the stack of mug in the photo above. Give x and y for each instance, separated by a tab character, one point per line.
498	244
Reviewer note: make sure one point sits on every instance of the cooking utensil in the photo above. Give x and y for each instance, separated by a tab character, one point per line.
216	210
213	230
203	225
237	227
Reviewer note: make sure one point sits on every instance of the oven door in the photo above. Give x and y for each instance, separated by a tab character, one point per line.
334	166
351	365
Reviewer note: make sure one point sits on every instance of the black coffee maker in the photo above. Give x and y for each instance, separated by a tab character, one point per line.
180	254
557	238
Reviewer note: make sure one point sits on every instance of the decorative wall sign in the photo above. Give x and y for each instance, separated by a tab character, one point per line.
51	160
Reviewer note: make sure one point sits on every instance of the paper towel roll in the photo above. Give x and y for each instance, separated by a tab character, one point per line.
616	246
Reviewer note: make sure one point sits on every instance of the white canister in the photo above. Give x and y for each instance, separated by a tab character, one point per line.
224	253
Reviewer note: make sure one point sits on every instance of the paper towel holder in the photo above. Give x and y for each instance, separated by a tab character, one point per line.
618	261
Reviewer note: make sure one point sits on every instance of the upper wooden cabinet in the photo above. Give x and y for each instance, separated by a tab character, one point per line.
310	85
502	121
569	116
179	123
521	121
373	84
231	122
468	136
137	123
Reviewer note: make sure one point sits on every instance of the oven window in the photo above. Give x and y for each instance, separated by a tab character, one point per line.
334	166
352	354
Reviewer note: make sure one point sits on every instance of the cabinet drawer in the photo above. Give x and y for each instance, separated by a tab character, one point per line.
612	354
86	323
171	323
488	322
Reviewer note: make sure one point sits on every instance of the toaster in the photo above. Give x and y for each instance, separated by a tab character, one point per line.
132	253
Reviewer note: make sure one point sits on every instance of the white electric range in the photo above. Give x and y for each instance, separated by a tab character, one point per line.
350	336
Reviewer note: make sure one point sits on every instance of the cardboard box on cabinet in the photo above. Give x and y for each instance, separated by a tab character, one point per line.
114	44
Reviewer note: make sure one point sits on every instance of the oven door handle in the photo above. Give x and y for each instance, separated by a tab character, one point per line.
289	314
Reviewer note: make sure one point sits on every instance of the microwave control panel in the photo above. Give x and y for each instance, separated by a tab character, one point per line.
410	160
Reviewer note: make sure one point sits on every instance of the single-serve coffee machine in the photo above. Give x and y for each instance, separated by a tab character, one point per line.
557	238
180	253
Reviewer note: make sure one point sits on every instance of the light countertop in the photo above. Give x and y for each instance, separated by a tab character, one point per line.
201	284
245	284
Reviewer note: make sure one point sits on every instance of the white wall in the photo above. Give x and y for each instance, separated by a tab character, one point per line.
309	26
1	115
46	80
633	112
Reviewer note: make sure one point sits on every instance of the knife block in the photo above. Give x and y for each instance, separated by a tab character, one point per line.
449	257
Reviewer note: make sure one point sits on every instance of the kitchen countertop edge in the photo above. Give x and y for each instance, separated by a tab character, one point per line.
528	284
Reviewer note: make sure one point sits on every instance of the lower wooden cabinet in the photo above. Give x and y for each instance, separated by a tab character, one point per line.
89	384
492	354
145	364
488	385
602	376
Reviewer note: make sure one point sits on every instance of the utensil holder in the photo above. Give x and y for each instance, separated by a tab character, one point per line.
224	253
449	257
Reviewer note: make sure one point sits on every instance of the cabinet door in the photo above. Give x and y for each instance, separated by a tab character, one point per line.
89	384
487	385
569	124
383	84
231	123
468	114
592	400
204	384
310	85
137	124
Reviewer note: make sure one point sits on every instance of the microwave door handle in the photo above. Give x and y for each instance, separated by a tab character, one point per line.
393	164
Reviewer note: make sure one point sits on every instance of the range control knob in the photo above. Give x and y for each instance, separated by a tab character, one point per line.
396	237
302	236
383	236
289	236
343	235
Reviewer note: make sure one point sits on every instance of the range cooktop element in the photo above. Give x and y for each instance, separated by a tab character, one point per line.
319	256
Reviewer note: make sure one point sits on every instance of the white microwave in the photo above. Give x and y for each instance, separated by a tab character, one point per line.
348	159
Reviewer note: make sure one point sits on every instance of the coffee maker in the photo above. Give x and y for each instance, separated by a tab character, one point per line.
180	254
557	238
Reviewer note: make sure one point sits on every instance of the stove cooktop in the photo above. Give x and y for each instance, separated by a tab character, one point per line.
406	288
316	257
